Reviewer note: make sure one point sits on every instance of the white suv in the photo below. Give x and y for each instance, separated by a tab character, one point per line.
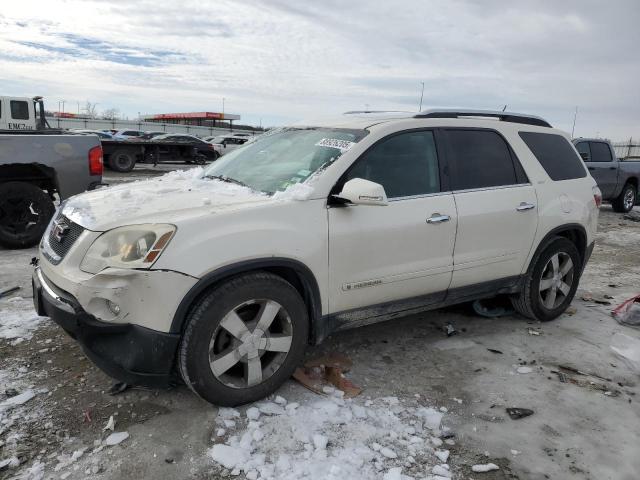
222	277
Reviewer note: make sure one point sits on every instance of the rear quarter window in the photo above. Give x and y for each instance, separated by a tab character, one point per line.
556	155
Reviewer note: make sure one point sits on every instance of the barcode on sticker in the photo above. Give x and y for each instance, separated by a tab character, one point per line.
342	145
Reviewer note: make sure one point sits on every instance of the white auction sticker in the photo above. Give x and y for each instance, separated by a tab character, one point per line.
342	145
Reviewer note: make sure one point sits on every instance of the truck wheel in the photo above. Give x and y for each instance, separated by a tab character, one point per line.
122	161
626	200
243	339
25	212
551	282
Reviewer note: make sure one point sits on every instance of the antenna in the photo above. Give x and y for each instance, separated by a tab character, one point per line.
575	114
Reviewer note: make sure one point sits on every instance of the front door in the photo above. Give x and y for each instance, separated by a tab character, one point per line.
380	254
497	207
601	166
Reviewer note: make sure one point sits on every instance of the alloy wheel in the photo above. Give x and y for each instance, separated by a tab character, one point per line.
251	343
556	280
629	199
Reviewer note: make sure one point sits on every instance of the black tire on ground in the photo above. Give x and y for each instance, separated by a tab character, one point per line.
624	202
25	212
122	161
205	340
530	302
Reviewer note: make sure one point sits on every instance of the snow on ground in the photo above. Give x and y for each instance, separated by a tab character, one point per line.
332	438
18	319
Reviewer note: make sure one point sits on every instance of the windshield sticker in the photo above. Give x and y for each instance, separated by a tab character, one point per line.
342	145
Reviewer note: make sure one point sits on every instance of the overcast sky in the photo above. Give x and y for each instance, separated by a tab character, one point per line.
286	60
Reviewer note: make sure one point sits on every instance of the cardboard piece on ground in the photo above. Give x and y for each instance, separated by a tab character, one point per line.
326	371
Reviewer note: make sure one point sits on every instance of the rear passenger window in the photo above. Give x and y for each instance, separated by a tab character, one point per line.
555	154
600	152
404	164
584	151
19	110
479	159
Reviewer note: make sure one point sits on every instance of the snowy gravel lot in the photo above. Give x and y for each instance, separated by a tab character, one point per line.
432	406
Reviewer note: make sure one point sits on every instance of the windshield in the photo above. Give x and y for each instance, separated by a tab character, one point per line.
284	157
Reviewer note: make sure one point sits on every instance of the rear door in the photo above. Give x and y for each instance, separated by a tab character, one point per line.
603	168
496	204
380	254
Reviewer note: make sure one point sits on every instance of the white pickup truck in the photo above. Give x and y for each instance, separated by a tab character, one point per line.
37	166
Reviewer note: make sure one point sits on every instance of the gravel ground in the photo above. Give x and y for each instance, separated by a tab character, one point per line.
583	428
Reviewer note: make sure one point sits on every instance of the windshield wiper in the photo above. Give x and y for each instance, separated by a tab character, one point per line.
227	179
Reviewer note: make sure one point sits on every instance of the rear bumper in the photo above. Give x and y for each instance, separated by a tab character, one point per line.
126	352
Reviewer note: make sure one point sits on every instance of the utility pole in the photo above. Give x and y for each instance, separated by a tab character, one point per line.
421	96
63	101
223	108
575	115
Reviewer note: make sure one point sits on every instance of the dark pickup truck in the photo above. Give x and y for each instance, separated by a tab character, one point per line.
618	180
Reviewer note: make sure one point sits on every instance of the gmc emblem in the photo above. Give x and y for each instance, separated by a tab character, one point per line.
60	230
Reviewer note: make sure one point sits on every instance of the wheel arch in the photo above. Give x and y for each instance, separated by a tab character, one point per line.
293	271
573	232
37	174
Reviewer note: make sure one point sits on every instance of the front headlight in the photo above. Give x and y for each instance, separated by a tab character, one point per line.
134	246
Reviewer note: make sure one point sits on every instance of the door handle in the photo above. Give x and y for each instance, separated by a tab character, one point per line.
525	206
437	218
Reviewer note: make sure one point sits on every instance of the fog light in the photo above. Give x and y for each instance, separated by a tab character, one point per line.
114	307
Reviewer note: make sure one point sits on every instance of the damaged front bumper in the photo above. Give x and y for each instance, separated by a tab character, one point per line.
127	352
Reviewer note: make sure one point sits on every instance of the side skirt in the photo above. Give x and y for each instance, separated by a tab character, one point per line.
389	310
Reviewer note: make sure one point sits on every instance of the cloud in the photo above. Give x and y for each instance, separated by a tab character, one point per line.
282	60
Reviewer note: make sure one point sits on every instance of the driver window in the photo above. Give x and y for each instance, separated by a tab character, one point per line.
405	165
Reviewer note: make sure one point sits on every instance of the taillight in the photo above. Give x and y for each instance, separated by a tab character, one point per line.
597	196
95	161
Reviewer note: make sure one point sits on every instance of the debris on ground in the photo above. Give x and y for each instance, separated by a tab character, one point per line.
628	313
111	424
324	374
118	387
493	307
601	300
488	467
565	372
533	331
20	399
633	216
571	310
116	438
493	350
518	413
9	291
628	349
524	370
449	329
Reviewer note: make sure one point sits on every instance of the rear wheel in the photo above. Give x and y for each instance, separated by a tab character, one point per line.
243	339
25	211
551	283
626	200
122	161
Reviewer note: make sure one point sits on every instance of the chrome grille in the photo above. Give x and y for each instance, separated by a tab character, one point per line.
61	236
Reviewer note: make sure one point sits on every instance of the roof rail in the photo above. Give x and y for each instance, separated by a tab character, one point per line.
353	112
504	116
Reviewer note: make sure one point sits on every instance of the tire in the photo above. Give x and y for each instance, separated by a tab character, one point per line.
122	161
206	343
25	212
626	200
536	300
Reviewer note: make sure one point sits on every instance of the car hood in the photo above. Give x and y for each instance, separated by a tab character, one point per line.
167	199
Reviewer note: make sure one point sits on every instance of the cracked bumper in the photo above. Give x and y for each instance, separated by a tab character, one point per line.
127	352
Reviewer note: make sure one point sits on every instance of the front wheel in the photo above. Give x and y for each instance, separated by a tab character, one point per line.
551	282
244	339
626	200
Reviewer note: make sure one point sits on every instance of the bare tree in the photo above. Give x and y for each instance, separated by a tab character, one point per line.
111	114
91	109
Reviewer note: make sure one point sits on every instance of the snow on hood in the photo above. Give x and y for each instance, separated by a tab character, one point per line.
164	199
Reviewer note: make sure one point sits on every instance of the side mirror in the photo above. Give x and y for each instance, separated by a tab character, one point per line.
359	191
